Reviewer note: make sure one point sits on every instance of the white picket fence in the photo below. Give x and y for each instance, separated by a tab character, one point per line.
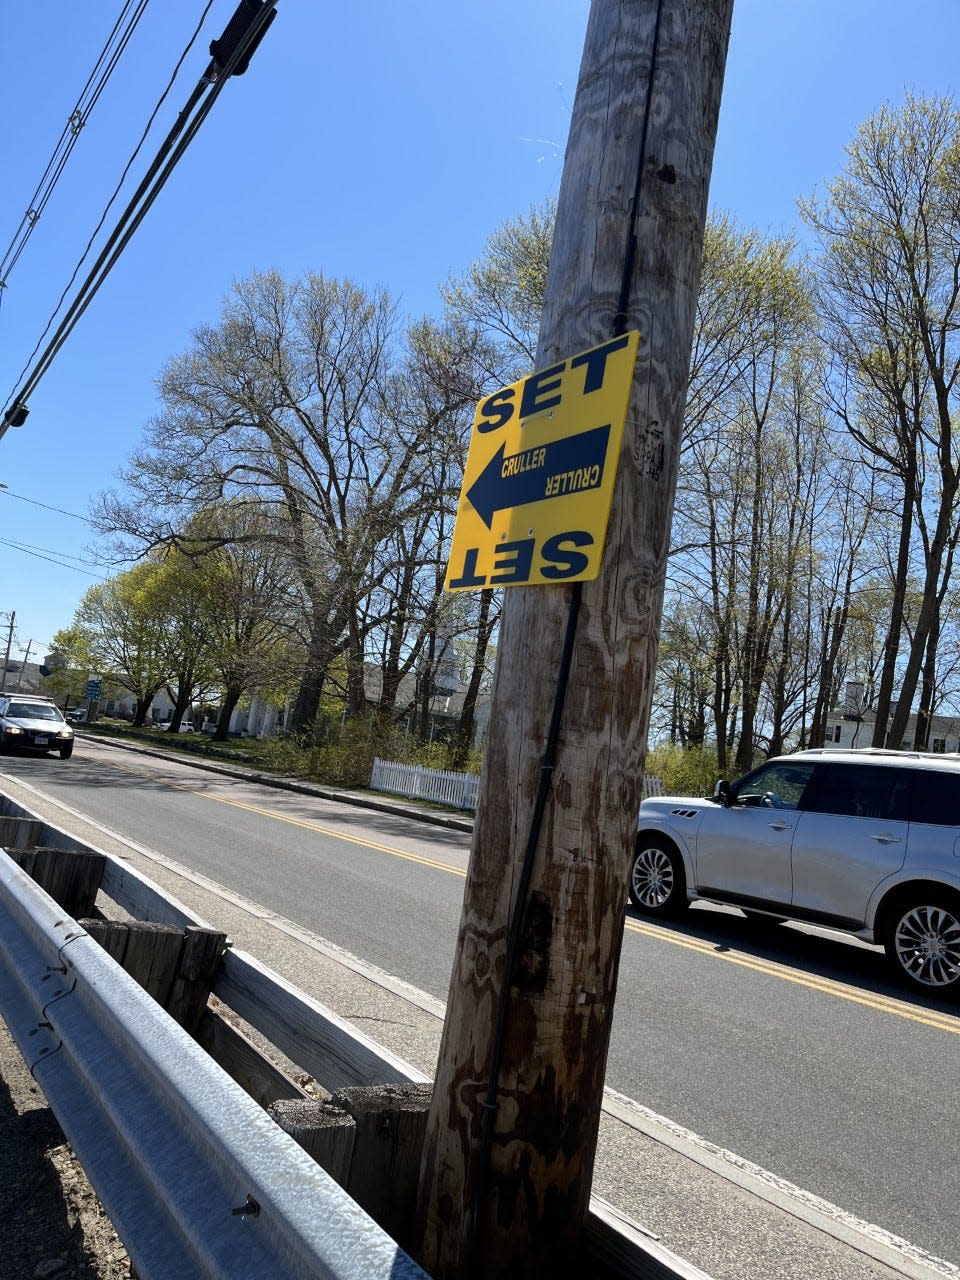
419	783
443	786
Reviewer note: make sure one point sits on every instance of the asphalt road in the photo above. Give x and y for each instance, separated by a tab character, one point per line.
790	1047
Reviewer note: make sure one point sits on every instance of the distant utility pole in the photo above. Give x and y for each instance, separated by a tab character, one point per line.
506	1196
26	659
3	673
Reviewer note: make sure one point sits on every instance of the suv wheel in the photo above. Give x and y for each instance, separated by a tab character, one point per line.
66	751
658	886
923	941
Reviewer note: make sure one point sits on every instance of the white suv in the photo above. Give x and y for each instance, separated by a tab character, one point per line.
865	841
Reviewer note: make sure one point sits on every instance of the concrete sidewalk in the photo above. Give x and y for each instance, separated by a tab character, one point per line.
709	1207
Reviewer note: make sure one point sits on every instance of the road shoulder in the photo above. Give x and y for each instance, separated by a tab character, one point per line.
691	1205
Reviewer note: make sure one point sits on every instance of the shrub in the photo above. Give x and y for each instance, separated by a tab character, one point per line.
684	771
339	755
434	755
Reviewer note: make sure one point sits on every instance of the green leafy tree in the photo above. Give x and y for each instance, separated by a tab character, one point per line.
245	590
181	584
502	292
122	629
76	662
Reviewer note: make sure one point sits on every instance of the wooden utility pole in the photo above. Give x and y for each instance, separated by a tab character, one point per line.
6	656
512	1203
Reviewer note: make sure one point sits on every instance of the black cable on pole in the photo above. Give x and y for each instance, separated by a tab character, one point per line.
235	56
96	83
548	760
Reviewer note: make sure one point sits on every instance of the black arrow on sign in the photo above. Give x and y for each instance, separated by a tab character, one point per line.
493	491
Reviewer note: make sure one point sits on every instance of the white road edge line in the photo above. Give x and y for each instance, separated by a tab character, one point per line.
873	1241
876	1242
405	990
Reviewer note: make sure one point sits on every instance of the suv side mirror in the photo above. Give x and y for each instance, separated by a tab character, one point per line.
721	793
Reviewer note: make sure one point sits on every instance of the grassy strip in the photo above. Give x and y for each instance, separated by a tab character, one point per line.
243	751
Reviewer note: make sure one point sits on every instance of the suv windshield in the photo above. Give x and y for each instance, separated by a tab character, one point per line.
777	786
33	711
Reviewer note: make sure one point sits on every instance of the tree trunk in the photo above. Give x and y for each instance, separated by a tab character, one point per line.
142	707
425	686
464	739
231	696
891	646
939	568
928	688
307	702
517	1208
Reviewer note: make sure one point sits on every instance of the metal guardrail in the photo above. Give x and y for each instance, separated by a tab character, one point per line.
196	1178
309	1033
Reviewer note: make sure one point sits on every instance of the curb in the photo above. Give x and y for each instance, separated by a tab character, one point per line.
360	800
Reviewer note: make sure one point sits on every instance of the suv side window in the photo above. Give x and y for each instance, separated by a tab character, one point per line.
936	798
862	791
775	786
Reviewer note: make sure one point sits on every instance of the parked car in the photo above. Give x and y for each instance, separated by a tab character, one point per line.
865	841
33	724
77	715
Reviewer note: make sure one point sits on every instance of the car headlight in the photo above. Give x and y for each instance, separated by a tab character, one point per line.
12	728
65	733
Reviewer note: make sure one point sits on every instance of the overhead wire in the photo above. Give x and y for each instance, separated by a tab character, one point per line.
171	150
116	191
26	550
4	491
103	69
32	546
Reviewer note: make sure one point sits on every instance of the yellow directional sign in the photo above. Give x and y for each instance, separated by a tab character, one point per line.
540	469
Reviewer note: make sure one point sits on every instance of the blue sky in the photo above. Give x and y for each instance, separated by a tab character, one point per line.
383	141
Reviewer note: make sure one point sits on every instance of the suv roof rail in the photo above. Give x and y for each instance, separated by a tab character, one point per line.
866	751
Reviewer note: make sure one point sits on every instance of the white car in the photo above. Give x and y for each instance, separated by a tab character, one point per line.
863	841
33	724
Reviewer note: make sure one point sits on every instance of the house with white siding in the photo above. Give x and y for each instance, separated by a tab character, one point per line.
852	726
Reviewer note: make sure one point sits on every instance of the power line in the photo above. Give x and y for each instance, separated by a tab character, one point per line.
24	550
46	506
32	546
96	82
116	191
231	54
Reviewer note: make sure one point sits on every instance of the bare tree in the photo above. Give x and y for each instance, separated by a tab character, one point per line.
889	227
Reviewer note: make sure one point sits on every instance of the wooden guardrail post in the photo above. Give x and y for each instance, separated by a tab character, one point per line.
71	876
325	1131
369	1139
176	966
20	833
391	1121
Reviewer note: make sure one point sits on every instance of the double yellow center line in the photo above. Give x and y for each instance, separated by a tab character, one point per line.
826	986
